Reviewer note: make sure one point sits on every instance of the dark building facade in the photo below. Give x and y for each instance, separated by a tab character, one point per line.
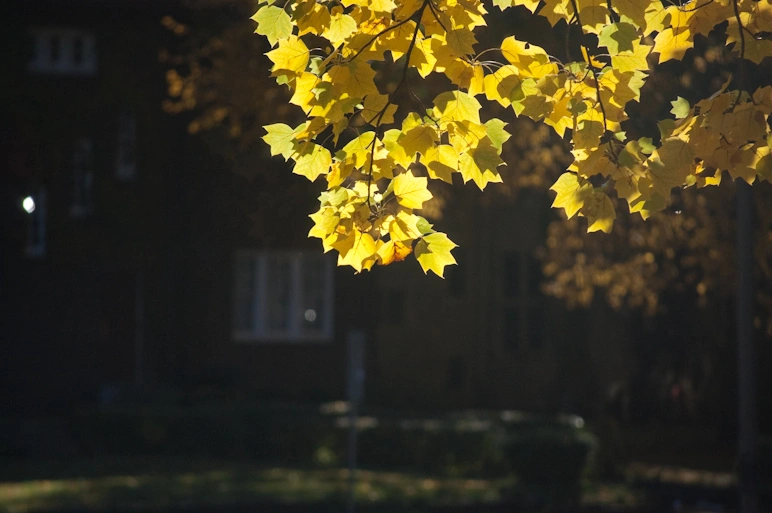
130	257
122	236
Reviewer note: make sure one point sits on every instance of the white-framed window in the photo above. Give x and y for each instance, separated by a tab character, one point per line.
282	296
126	158
82	179
35	206
63	51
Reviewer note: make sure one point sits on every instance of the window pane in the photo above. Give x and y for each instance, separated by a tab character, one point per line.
314	283
244	297
278	293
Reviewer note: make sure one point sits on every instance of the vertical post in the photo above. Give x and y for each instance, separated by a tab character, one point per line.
746	365
139	331
354	391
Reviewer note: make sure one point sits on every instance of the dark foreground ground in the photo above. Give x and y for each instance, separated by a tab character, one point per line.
194	486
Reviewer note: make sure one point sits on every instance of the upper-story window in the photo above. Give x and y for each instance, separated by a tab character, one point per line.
63	52
83	179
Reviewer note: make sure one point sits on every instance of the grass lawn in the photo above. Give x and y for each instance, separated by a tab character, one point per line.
159	484
155	484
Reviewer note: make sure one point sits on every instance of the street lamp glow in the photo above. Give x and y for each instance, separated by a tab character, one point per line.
28	204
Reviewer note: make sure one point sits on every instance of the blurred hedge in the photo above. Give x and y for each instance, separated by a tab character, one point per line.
464	444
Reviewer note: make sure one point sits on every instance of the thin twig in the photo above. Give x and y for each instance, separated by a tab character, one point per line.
594	72
378	117
741	61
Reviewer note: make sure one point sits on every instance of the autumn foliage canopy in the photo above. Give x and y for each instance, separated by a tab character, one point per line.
355	68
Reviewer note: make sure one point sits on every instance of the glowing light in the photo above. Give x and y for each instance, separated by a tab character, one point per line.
310	315
28	204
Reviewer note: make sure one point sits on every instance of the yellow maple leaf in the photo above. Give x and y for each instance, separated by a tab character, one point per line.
441	162
411	191
670	164
404	227
635	9
464	135
461	40
315	21
355	248
422	58
313	161
433	253
557	10
281	139
530	60
456	106
392	251
358	150
325	221
637	59
418	139
341	27
503	85
594	14
572	193
599	211
291	55
673	44
480	164
303	95
460	72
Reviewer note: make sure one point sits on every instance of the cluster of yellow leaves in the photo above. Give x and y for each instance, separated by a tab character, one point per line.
378	165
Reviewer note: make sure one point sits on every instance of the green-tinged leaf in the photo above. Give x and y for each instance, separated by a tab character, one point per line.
572	193
281	139
618	37
496	132
273	23
480	164
680	108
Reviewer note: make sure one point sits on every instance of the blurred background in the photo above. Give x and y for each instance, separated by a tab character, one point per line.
172	341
